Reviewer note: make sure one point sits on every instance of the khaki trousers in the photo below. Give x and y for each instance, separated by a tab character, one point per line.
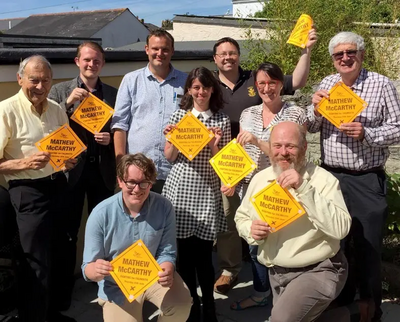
302	294
229	244
174	304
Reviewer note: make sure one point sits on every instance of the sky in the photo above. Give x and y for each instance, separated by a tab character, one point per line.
152	11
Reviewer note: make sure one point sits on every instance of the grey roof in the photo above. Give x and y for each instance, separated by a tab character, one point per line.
150	26
66	24
5	23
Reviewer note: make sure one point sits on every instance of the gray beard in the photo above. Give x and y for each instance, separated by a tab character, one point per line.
296	166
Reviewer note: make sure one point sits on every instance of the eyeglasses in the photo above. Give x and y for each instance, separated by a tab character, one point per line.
350	53
271	84
231	53
132	184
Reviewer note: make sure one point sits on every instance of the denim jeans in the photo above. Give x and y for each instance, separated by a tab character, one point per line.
260	272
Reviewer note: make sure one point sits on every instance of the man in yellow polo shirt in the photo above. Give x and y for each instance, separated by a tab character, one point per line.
36	191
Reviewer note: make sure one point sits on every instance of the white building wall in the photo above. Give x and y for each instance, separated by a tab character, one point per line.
245	9
123	30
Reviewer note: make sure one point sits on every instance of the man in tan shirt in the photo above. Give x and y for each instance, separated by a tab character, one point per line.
306	268
36	191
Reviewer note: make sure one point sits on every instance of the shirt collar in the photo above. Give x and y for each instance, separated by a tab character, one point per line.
27	103
242	75
143	211
81	84
206	115
172	73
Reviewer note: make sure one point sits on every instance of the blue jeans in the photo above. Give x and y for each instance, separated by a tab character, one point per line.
260	272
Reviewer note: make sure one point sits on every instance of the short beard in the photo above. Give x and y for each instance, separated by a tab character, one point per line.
297	165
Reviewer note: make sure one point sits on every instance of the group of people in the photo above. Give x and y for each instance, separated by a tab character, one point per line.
178	207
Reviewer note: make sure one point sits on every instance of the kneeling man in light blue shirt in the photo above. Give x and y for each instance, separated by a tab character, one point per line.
119	221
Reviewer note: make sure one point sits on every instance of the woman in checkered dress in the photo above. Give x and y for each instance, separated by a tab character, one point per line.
195	190
256	123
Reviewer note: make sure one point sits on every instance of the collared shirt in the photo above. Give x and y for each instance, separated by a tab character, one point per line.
310	239
244	95
21	127
205	115
381	122
110	230
143	108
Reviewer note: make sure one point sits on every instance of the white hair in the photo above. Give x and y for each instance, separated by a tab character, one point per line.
346	37
39	58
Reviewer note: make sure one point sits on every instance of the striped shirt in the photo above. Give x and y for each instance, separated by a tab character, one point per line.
143	108
381	122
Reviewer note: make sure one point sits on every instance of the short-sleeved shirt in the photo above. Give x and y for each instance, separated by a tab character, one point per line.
143	108
21	126
244	95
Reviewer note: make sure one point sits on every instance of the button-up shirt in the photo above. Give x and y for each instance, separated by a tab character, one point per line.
21	126
143	108
381	122
110	230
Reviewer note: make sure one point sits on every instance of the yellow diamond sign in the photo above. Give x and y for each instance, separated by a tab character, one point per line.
232	163
190	136
92	114
299	35
62	144
343	105
135	270
276	206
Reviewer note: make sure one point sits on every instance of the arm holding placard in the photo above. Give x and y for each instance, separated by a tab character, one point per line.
300	74
170	151
245	137
325	206
213	144
36	161
314	118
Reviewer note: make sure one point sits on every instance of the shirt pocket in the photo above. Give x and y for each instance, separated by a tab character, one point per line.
152	238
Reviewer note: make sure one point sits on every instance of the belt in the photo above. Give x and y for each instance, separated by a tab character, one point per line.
93	159
50	178
351	172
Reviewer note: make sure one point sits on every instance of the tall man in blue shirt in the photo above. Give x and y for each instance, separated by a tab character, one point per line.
146	99
119	221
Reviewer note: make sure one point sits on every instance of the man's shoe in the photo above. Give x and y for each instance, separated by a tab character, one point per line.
224	284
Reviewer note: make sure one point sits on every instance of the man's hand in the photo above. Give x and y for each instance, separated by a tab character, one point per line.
245	137
37	161
102	268
259	229
354	130
290	179
102	138
317	97
228	191
70	164
312	38
167	275
78	94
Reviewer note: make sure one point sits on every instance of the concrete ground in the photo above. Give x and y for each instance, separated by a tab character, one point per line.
84	310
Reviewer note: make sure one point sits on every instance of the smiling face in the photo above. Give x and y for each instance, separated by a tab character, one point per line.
348	67
159	51
134	198
36	81
269	89
201	95
90	63
227	57
287	149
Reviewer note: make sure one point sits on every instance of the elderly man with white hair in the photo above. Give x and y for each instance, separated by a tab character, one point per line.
356	154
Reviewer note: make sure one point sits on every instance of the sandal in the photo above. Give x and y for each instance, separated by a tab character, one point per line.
236	306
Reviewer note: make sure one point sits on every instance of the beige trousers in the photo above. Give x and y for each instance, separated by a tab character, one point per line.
174	304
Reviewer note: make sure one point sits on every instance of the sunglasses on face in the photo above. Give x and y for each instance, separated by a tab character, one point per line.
350	53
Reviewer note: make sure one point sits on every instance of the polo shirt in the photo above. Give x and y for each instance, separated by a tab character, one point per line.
21	127
245	94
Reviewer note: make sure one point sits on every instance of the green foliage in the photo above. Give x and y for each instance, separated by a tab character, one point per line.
393	200
330	17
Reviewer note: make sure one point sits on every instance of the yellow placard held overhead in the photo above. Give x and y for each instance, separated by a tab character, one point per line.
92	114
276	206
62	144
343	105
190	136
232	163
135	270
299	35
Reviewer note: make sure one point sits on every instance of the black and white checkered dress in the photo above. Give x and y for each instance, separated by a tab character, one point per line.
194	188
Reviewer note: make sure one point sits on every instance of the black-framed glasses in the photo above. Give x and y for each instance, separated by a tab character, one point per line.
132	184
350	53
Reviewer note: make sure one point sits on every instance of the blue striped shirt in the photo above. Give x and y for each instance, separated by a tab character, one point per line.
143	108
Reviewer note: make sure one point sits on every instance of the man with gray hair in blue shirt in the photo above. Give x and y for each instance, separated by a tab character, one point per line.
146	99
119	221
